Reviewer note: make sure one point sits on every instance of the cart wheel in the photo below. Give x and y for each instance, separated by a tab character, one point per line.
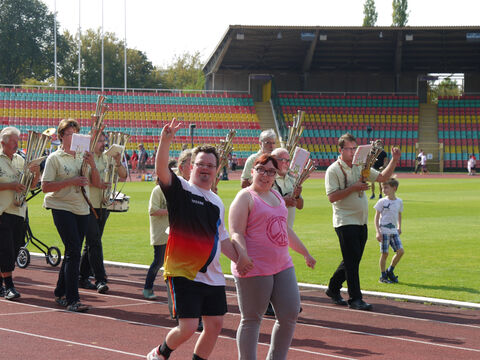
23	258
54	256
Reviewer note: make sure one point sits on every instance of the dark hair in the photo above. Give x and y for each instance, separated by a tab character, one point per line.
172	163
392	182
264	159
344	138
207	149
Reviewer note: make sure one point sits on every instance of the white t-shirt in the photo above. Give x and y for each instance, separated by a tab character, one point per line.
389	210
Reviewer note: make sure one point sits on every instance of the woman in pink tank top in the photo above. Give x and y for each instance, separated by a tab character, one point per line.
264	271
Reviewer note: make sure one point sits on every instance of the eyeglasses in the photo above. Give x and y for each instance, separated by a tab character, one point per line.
350	148
283	160
263	171
208	166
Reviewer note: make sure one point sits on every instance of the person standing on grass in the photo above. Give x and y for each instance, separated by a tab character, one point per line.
379	166
388	225
197	235
346	193
471	163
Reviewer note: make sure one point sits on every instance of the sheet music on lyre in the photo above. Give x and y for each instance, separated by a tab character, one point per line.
360	156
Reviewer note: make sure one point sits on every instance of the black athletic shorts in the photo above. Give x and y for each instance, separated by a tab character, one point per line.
192	299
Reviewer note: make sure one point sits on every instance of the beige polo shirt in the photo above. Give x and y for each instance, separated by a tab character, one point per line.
353	209
247	169
62	166
10	171
158	224
96	194
285	185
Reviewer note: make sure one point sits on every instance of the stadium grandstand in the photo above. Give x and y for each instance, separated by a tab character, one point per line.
371	82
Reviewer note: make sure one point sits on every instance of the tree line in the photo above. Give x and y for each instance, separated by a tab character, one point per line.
27	55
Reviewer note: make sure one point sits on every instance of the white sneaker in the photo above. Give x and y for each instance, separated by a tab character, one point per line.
153	355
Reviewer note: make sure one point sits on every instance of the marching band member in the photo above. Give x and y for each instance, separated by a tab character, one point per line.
12	217
92	256
61	181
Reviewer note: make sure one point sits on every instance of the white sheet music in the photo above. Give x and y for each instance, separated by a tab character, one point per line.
300	158
80	143
360	156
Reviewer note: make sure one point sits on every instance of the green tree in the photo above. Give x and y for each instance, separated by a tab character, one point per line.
26	41
185	72
447	87
400	13
139	68
370	13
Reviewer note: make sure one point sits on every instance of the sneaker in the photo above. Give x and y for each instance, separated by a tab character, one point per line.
373	196
359	304
11	294
61	300
77	306
102	287
2	291
384	280
148	294
86	284
392	276
154	355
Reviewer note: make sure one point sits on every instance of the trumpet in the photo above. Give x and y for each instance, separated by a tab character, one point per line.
111	173
224	149
294	133
36	145
96	131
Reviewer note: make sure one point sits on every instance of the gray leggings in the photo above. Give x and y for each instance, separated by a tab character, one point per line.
254	294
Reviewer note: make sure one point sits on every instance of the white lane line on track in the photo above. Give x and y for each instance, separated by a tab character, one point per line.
299	324
329	307
394	338
73	342
345	308
156	326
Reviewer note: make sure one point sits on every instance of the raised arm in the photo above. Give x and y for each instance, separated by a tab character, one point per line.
161	160
388	171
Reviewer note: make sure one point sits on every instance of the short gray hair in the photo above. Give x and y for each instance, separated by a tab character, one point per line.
267	134
7	132
279	151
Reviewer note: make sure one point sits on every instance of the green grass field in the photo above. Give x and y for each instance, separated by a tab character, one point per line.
440	234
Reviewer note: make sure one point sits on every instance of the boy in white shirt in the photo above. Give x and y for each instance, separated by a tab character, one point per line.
388	225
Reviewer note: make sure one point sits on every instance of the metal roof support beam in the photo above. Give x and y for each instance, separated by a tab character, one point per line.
307	63
397	66
213	67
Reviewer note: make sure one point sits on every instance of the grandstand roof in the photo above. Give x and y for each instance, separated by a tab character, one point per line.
321	48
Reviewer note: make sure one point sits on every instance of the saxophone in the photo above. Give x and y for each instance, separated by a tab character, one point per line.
377	148
111	173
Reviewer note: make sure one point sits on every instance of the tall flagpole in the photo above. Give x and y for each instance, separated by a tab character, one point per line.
55	41
79	46
103	68
125	47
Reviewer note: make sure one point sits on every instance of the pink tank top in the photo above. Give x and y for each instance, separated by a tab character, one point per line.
266	238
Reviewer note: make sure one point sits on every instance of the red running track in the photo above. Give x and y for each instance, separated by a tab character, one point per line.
122	325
